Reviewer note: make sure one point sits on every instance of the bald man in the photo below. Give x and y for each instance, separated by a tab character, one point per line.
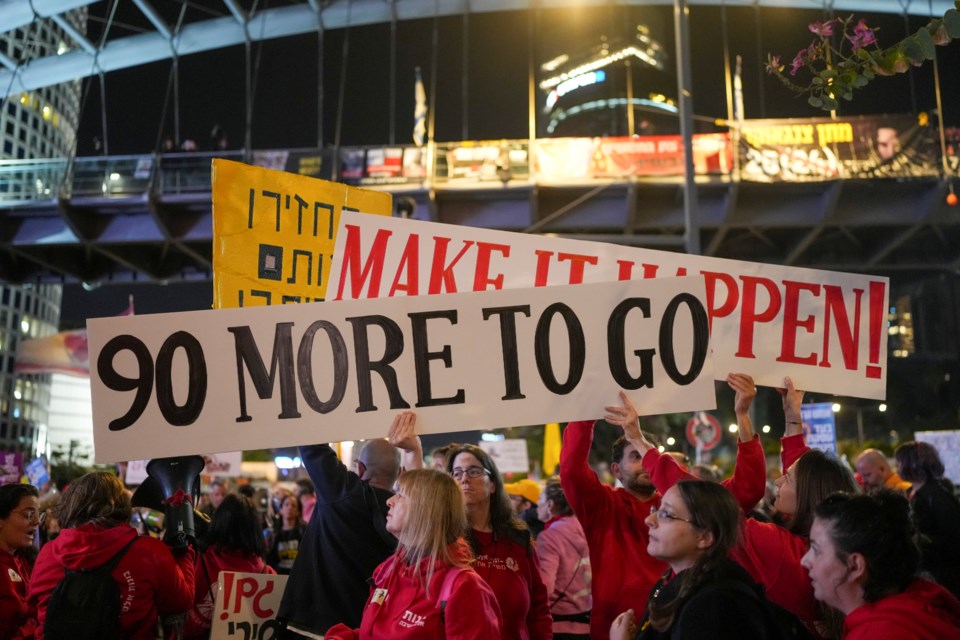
346	538
875	471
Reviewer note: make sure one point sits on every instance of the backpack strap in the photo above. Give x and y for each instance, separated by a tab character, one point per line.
112	563
447	588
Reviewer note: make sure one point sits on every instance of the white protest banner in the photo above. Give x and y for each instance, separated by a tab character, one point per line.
827	330
510	455
246	605
261	377
947	444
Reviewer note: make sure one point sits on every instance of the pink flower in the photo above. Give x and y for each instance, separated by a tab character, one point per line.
862	35
822	29
798	61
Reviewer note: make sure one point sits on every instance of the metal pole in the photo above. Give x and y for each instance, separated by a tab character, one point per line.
727	77
631	120
393	72
465	75
681	17
320	40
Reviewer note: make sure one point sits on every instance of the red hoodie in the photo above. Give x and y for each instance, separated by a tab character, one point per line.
399	608
209	566
14	609
151	581
925	611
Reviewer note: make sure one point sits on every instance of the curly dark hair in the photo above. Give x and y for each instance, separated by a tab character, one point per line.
918	462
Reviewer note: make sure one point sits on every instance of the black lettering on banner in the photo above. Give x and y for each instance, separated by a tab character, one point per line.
422	358
255	630
341	367
117	382
617	347
181	415
282	359
366	366
301	205
293	271
316	210
701	338
272	194
508	341
577	348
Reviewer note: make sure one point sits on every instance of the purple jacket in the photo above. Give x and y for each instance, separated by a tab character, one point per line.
565	567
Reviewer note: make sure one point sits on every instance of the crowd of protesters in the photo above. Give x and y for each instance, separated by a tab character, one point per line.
403	548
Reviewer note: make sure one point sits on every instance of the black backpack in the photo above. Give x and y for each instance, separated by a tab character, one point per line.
85	604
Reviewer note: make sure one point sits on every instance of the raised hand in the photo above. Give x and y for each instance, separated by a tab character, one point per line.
745	389
792	399
625	416
403	435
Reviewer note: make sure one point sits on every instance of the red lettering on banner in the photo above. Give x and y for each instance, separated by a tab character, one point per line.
878	312
848	330
626	270
751	316
246	587
792	323
227	591
730	302
577	262
410	267
440	273
482	276
649	271
372	268
543	268
263	612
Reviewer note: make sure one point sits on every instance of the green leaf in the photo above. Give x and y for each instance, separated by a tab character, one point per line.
848	96
816	81
814	101
827	74
862	81
925	40
868	74
914	51
951	20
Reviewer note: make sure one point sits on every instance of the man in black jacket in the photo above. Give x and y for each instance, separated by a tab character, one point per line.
346	538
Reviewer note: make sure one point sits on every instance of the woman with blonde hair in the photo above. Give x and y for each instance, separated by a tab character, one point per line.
94	517
427	589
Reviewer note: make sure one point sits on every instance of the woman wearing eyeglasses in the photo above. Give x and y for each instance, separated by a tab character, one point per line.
19	520
703	595
506	557
426	590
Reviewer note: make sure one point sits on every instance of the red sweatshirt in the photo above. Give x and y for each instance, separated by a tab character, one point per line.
15	612
613	520
400	608
209	566
747	484
513	572
925	611
151	581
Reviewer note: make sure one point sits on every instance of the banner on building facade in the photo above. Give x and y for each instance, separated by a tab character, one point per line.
273	233
263	377
827	330
819	149
620	157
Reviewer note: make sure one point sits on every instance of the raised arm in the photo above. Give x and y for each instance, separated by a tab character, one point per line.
625	416
583	489
746	391
792	445
403	435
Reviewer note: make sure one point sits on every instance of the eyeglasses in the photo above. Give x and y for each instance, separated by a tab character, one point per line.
32	514
666	515
471	472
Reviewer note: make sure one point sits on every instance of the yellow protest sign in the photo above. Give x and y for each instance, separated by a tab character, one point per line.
273	233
